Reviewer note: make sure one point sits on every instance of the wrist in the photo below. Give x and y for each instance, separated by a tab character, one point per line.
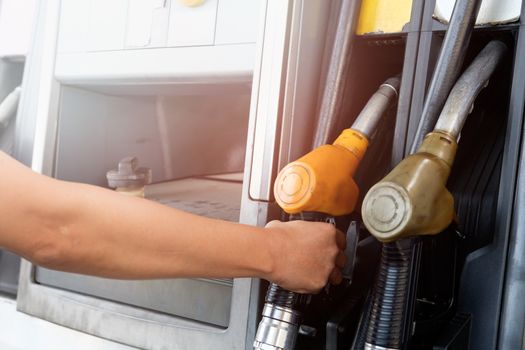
274	245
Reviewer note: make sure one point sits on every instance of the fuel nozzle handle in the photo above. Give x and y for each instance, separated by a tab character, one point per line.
321	181
413	199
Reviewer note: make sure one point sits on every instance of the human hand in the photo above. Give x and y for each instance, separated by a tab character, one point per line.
306	255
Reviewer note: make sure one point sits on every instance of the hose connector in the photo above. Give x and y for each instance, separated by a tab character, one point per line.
278	328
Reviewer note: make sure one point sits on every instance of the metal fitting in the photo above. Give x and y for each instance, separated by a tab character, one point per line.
370	116
278	328
375	347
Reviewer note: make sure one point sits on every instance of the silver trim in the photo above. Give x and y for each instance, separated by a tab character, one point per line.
371	114
375	347
278	329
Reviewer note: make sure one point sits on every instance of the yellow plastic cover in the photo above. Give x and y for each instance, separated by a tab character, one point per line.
383	16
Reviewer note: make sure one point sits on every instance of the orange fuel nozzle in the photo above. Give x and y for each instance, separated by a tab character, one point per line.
322	180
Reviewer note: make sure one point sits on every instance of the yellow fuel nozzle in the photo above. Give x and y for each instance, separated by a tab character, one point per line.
413	199
321	181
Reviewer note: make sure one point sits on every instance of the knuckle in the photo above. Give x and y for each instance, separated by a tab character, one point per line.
334	251
273	223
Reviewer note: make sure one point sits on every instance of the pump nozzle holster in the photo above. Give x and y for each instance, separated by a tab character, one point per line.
412	199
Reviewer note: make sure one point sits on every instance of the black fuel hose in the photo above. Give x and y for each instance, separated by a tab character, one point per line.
279	296
384	322
391	295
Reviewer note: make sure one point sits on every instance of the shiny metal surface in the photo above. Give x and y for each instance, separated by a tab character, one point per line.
512	322
375	347
366	122
448	65
281	313
460	101
338	68
278	329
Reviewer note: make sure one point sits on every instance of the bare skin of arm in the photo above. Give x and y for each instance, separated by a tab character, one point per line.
86	229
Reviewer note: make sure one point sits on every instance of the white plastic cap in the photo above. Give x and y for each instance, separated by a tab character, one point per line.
129	174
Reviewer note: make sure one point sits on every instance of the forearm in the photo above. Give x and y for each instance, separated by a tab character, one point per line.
87	229
112	235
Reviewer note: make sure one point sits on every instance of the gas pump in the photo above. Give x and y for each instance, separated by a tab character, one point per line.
411	201
319	187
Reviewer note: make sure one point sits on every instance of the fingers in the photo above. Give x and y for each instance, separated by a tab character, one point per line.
273	223
340	260
340	239
336	276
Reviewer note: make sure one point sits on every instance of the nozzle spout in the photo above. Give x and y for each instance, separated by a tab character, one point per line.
366	122
461	99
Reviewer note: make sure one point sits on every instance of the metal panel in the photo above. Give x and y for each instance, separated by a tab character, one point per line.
115	321
512	324
153	330
235	19
203	300
284	105
97	130
268	98
479	297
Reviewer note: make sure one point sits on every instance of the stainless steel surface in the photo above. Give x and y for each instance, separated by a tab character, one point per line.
461	99
41	91
448	65
204	300
337	75
267	97
366	122
9	269
278	329
512	319
375	347
10	77
8	107
513	306
281	313
175	136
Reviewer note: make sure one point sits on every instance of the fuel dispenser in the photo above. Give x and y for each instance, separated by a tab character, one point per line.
319	187
413	203
412	200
